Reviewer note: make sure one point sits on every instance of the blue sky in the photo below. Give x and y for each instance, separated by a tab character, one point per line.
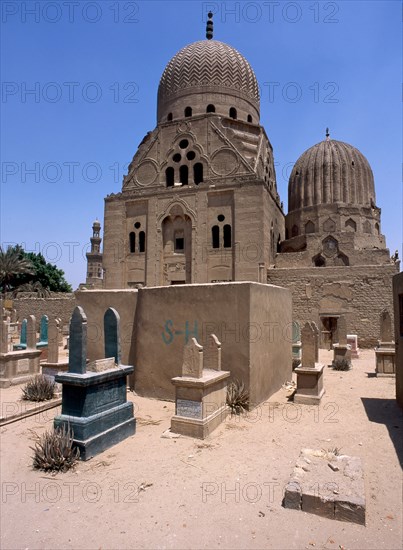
79	90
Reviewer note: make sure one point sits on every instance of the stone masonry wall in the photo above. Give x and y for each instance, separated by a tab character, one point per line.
359	293
59	305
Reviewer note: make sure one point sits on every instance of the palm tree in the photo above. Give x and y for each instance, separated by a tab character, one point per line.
12	263
31	290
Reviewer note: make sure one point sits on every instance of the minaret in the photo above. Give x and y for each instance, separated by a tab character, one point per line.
94	258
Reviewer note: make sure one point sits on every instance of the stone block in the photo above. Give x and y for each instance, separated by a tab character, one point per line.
292	496
327	485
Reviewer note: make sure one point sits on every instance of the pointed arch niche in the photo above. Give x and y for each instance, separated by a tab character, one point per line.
176	250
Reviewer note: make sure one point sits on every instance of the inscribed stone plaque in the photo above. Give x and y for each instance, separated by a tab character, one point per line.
188	408
22	366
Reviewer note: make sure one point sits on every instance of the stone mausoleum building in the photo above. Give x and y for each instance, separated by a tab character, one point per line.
200	204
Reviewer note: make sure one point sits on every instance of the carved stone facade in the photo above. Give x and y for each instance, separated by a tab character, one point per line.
200	204
200	198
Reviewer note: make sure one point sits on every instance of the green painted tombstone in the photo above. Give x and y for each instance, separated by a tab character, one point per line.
94	402
43	333
23	337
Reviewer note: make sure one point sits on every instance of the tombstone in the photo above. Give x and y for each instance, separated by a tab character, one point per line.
296	341
212	353
53	339
53	364
23	337
43	333
200	393
342	350
94	399
60	334
386	328
385	353
192	359
4	345
352	339
112	331
308	339
310	374
78	341
316	337
31	332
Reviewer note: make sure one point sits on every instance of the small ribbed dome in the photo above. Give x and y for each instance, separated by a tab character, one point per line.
209	63
331	172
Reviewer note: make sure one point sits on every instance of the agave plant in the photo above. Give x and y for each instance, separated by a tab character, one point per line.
38	388
341	364
237	397
54	450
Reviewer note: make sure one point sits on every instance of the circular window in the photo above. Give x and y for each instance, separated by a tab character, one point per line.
191	155
177	157
183	143
137	225
221	218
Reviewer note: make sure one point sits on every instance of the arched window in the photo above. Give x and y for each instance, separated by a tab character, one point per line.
170	176
183	175
319	261
188	111
210	109
227	236
250	118
142	241
132	242
169	117
233	113
215	236
198	173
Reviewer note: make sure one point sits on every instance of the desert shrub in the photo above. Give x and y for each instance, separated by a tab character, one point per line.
237	397
54	450
39	388
341	364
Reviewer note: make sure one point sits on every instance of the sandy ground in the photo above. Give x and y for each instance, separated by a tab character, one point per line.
223	492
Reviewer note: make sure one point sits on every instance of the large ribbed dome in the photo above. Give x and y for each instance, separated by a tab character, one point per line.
331	172
209	63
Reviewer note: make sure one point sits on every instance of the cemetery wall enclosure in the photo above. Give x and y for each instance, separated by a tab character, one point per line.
252	321
59	306
359	293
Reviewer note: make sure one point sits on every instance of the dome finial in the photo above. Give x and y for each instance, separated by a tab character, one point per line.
327	134
209	27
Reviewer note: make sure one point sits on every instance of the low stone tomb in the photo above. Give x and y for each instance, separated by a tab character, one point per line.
201	391
18	366
94	401
385	353
352	340
328	485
